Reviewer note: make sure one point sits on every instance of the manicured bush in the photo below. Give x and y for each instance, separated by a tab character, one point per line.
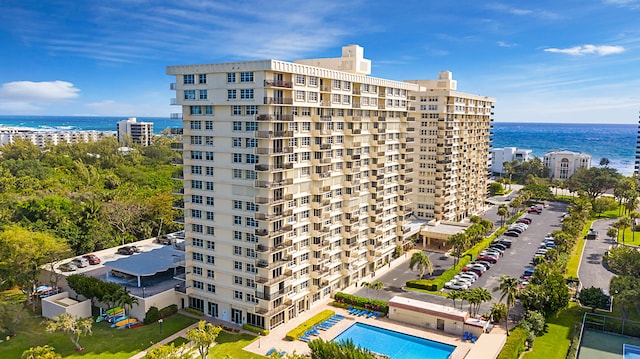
169	310
514	345
362	302
255	329
194	311
300	329
152	316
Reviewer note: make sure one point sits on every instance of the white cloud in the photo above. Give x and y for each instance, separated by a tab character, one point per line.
602	50
38	92
506	44
632	4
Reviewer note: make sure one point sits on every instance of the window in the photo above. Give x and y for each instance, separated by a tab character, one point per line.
237	265
198	284
211	245
208	155
196	184
211	288
251	268
236	110
246	94
313	97
237	158
299	79
251	142
195	110
196	228
208	125
246	77
237	205
313	81
252	158
231	77
196	125
251	110
189	79
237	294
211	259
237	173
196	140
251	126
197	242
197	270
202	78
209	187
208	110
252	207
237	250
189	94
196	155
208	171
237	280
196	213
197	256
203	94
210	274
237	126
300	95
231	94
336	84
237	220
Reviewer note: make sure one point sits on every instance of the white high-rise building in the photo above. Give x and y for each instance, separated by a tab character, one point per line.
140	133
296	181
508	154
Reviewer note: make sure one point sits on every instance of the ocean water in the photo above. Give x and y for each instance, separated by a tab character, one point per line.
617	142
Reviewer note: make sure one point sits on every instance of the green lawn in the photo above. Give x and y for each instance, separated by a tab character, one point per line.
554	344
576	253
232	344
105	342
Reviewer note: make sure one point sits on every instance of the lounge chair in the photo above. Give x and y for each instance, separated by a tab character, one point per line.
281	354
302	337
273	350
371	314
365	313
354	311
473	339
466	336
340	316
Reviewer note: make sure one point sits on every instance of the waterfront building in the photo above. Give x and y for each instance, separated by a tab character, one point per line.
140	133
450	160
563	164
508	154
297	179
46	138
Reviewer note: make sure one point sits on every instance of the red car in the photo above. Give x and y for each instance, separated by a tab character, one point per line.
92	258
489	259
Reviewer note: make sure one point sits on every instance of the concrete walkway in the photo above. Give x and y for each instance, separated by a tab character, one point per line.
591	271
182	333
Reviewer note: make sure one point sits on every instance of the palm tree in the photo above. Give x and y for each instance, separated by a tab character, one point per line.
612	233
633	215
482	295
508	290
622	224
377	285
366	285
454	295
127	300
422	262
459	242
503	212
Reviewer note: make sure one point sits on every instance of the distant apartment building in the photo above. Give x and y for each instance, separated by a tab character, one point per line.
508	154
47	138
450	158
298	178
563	164
131	131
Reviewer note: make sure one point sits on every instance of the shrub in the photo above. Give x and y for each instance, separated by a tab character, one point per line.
514	345
255	329
167	311
362	302
194	311
152	316
300	329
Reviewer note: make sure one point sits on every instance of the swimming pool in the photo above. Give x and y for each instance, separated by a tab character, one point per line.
630	351
394	344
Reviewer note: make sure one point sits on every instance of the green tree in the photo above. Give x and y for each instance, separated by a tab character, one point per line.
594	181
508	288
622	225
345	349
603	204
459	243
203	337
168	352
43	352
503	213
377	286
534	321
454	295
74	327
498	312
480	295
11	314
594	297
126	300
624	260
421	262
495	188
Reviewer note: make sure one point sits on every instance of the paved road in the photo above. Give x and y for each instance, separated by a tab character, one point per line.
591	272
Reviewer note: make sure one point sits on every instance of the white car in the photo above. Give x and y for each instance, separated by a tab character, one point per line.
470	274
467	277
541	251
457	285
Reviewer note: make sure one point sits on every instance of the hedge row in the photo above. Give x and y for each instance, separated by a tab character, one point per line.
362	302
153	314
255	329
300	329
194	311
514	345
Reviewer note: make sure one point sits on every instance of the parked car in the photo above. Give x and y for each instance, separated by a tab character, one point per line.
519	225
515	229
534	210
92	258
457	285
487	258
468	275
477	269
528	273
526	221
491	252
499	246
459	278
511	234
67	267
81	262
504	241
485	264
164	239
128	250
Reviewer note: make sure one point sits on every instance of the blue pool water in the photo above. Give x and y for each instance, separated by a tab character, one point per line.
631	352
394	344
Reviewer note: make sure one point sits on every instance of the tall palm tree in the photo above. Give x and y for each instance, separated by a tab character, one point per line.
503	212
377	285
421	262
622	224
481	295
508	290
454	295
459	242
127	300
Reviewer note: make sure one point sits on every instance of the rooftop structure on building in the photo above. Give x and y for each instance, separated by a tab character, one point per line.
130	132
299	176
563	163
508	154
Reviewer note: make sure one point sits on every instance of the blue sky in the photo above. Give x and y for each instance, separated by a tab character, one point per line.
544	61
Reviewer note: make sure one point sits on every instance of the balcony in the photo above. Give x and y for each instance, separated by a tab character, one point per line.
273	200
273	184
273	134
319	176
269	281
273	151
278	101
277	83
269	312
178	191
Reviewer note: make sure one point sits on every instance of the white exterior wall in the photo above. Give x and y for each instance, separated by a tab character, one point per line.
52	309
508	154
563	164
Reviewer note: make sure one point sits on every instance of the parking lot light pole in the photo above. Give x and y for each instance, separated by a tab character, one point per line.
160	322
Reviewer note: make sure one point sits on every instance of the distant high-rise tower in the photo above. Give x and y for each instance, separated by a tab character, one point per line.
140	133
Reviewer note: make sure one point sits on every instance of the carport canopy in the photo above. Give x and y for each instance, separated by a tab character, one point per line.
147	263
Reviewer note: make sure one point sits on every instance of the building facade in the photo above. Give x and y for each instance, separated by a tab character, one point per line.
563	164
140	133
450	158
45	138
508	154
296	181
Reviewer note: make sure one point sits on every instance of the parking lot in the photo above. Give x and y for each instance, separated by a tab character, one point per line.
515	260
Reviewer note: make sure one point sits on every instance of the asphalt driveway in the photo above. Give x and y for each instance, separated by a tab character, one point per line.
592	272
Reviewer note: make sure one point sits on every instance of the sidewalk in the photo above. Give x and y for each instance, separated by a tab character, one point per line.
165	341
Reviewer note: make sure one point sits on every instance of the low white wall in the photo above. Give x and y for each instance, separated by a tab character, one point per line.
159	301
52	309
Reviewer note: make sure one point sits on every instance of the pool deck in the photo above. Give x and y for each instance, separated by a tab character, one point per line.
488	345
